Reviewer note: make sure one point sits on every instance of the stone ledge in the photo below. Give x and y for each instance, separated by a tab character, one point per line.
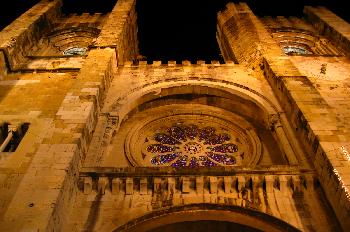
186	184
169	171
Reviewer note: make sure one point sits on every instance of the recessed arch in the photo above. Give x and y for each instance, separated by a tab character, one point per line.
261	111
225	90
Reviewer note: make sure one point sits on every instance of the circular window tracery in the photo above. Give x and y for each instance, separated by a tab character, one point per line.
193	145
180	139
189	145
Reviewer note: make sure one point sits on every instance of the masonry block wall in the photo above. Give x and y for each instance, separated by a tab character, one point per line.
61	107
73	170
120	31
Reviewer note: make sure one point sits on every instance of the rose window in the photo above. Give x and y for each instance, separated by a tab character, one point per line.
180	146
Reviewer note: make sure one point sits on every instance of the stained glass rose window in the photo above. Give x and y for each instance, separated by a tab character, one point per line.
190	145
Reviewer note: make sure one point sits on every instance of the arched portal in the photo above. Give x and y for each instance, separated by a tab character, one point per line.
224	217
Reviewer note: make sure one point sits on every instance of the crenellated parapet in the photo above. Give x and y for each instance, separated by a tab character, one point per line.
173	63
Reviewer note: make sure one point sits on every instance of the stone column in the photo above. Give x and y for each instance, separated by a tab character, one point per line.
275	124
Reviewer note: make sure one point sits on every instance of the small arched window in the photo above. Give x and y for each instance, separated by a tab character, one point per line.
295	50
74	51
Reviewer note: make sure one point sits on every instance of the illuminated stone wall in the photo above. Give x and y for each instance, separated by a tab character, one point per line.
115	144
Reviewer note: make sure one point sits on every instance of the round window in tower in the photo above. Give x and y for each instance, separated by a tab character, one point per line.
74	51
295	50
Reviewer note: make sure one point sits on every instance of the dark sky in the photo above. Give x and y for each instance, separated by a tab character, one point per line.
178	29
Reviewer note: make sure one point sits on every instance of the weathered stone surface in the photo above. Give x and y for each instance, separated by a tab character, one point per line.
91	159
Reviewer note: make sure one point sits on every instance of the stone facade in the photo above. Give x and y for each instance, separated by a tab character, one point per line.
93	140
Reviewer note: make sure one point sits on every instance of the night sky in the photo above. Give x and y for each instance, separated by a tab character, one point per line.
178	29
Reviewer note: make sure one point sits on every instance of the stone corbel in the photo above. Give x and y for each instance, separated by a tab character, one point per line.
256	184
157	185
284	181
297	184
310	183
199	184
87	185
171	185
270	183
185	184
116	183
143	186
129	186
227	184
102	184
213	181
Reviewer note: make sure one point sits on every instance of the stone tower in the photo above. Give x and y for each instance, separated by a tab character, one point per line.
93	140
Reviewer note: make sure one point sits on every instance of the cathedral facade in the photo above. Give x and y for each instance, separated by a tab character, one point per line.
92	138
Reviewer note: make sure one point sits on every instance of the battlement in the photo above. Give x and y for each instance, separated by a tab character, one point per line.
240	7
172	63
